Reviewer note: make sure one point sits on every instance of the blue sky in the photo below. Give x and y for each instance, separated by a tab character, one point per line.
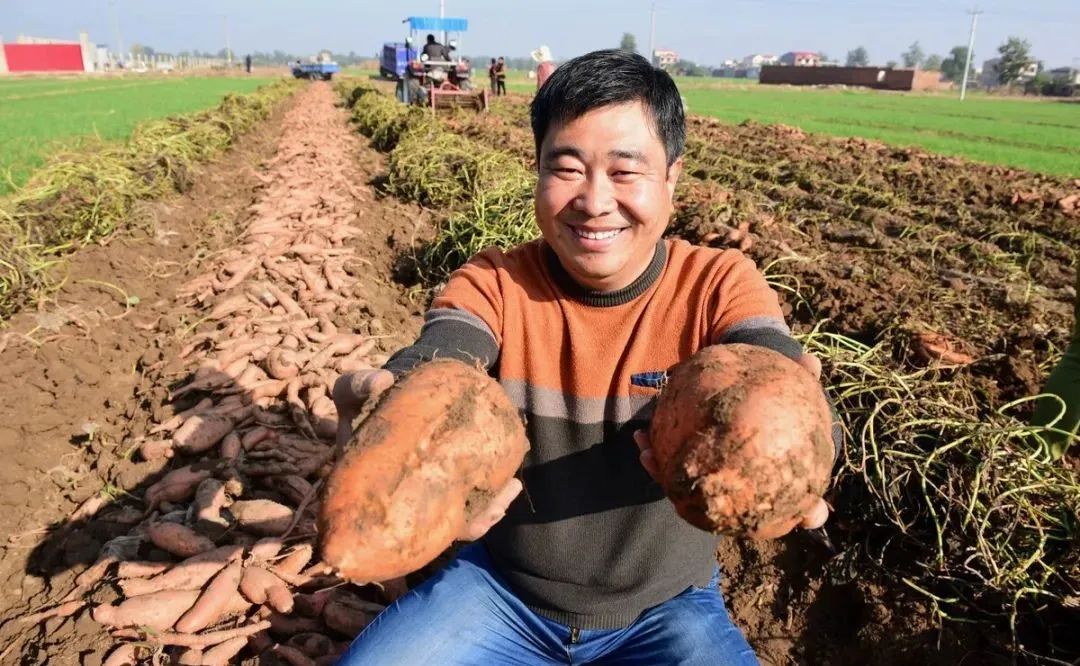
706	32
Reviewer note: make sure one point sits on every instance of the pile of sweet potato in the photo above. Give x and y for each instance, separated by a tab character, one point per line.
220	555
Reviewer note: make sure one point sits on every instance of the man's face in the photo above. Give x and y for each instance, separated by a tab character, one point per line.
603	197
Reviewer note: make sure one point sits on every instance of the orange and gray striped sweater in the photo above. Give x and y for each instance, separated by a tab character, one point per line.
592	541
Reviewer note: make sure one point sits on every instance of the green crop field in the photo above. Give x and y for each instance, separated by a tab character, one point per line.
1037	135
41	115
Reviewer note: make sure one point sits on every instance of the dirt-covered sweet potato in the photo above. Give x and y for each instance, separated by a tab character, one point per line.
429	456
742	440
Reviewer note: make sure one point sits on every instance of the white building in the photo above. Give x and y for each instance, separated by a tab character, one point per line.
665	57
758	59
988	78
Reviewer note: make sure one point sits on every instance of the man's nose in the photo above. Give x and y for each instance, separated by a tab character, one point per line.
596	197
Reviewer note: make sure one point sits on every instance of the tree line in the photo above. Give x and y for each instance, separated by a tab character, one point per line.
1014	54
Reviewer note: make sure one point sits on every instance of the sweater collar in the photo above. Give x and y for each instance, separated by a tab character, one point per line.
606	298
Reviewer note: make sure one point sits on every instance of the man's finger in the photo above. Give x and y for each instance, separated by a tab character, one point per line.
812	364
641	438
816	516
648	461
372	383
344	429
494	512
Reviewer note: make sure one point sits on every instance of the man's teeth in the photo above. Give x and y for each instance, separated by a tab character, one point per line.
597	235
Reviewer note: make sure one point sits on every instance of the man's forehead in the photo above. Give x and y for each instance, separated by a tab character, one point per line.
629	142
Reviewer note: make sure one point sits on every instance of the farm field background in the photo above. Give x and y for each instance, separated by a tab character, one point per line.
39	116
936	292
1037	135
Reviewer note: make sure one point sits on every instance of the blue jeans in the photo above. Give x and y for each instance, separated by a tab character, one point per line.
466	614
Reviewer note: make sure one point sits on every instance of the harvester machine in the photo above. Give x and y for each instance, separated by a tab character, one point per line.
437	83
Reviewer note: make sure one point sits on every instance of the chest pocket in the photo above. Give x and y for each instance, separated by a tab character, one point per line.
655	379
645	388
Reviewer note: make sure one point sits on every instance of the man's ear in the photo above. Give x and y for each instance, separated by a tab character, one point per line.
673	173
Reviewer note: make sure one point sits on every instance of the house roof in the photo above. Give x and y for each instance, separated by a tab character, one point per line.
802	54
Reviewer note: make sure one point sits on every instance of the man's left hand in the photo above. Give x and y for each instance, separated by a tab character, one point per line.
812	519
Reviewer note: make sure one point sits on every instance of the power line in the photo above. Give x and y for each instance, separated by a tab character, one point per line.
971	48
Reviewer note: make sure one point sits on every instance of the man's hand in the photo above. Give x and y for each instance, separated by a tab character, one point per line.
814	518
351	392
496	509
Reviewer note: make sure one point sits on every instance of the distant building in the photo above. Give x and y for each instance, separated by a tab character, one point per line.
989	77
43	54
1066	75
758	59
665	57
800	59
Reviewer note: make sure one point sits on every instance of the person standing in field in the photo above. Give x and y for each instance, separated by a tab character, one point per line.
591	564
500	76
545	65
247	63
1064	384
492	75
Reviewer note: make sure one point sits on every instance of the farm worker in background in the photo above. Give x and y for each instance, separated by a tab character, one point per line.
491	75
434	50
544	65
247	63
500	76
1064	382
592	563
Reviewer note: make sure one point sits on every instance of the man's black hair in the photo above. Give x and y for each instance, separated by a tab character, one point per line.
431	39
608	77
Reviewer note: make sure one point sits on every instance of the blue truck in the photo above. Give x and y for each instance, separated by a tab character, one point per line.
316	68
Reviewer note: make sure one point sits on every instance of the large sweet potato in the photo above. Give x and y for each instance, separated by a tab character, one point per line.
431	454
742	441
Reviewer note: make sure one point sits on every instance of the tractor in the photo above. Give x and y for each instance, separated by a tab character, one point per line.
434	83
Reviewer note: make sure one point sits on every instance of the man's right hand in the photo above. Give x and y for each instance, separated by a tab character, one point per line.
351	392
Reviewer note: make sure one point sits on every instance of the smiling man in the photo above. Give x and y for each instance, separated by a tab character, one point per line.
590	563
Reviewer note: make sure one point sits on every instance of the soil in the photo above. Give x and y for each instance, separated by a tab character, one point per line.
88	368
91	367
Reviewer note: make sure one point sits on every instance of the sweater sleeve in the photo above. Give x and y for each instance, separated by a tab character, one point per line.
463	322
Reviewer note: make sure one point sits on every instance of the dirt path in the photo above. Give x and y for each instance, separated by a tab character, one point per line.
94	370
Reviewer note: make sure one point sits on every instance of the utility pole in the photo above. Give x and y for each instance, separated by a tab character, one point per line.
971	48
228	49
442	15
652	34
116	30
